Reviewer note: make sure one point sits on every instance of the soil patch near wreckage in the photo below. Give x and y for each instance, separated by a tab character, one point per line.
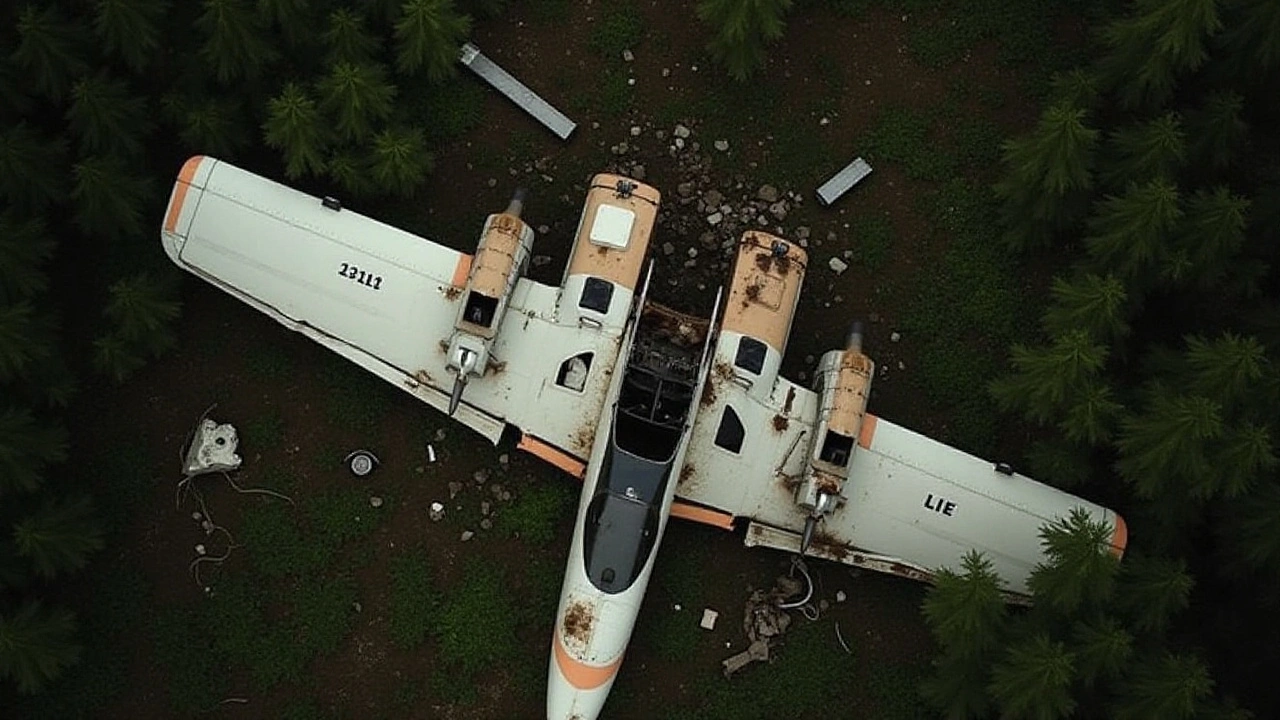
776	136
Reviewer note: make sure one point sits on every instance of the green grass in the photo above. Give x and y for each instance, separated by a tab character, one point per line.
895	689
277	544
618	26
547	12
905	136
264	430
196	679
538	511
355	399
414	598
235	618
872	237
474	629
324	611
454	108
612	96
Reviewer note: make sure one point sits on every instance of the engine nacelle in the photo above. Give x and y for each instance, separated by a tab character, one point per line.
843	380
502	255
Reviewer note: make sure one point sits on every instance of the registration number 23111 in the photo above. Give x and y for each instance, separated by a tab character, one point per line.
368	279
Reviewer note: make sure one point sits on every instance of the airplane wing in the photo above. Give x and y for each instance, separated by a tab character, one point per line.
388	300
911	504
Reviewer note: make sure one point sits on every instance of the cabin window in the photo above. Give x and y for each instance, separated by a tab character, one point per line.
596	295
730	433
836	448
480	309
573	372
750	354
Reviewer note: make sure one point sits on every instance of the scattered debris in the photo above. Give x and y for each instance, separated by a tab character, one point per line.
681	132
361	462
722	145
628	56
840	596
436	513
516	91
709	619
895	337
837	265
467	535
375	501
431	453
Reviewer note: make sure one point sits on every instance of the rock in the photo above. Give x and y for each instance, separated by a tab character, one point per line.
767	193
837	265
679	143
666	72
668	248
690	264
712	198
455	487
824	121
802	232
628	56
481	476
375	501
779	210
496	489
722	145
808	359
660	134
685	189
467	535
504	459
902	365
493	182
715	218
486	524
635	131
436	513
840	596
638	172
544	229
681	131
540	260
506	496
895	337
693	252
484	507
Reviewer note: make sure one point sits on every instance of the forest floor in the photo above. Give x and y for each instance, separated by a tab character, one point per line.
332	607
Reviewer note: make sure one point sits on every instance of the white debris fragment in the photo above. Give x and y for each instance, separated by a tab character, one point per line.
715	218
709	619
467	535
676	607
200	550
628	56
431	453
837	265
824	121
895	337
636	130
722	145
840	596
436	513
375	501
680	131
631	81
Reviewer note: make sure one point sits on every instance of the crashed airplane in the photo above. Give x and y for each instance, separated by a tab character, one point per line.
659	413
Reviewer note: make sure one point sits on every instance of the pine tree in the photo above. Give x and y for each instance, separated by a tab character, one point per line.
209	124
1228	368
1249	532
107	117
25	247
236	44
14	86
116	357
347	39
1168	686
1033	681
957	688
964	609
1059	463
1102	649
1217	128
142	310
741	29
1255	36
50	49
1047	174
1168	441
1091	413
31	168
1094	303
1211	235
27	447
59	537
1079	568
1130	233
1152	590
294	19
24	343
1074	88
351	171
109	199
1046	379
1152	46
428	36
1142	152
295	127
1245	454
130	28
400	160
36	645
356	96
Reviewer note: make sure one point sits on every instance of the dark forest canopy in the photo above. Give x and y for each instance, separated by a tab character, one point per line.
1152	177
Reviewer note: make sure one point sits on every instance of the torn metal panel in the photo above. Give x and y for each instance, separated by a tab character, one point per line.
516	91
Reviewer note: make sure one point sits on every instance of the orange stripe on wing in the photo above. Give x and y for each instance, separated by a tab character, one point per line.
579	674
553	455
868	431
1120	537
706	516
461	270
185	176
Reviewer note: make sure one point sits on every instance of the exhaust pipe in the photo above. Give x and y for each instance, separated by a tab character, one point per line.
516	206
854	341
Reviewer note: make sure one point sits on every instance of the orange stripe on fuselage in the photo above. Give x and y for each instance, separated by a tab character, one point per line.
185	176
706	516
1119	537
553	455
868	431
581	675
461	270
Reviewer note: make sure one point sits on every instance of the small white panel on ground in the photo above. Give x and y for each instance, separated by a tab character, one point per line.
709	619
612	226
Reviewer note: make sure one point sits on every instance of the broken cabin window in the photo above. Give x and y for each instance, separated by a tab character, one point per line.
750	354
480	309
730	433
836	448
573	372
596	295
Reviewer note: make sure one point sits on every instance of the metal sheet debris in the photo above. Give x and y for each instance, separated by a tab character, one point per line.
516	91
709	619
